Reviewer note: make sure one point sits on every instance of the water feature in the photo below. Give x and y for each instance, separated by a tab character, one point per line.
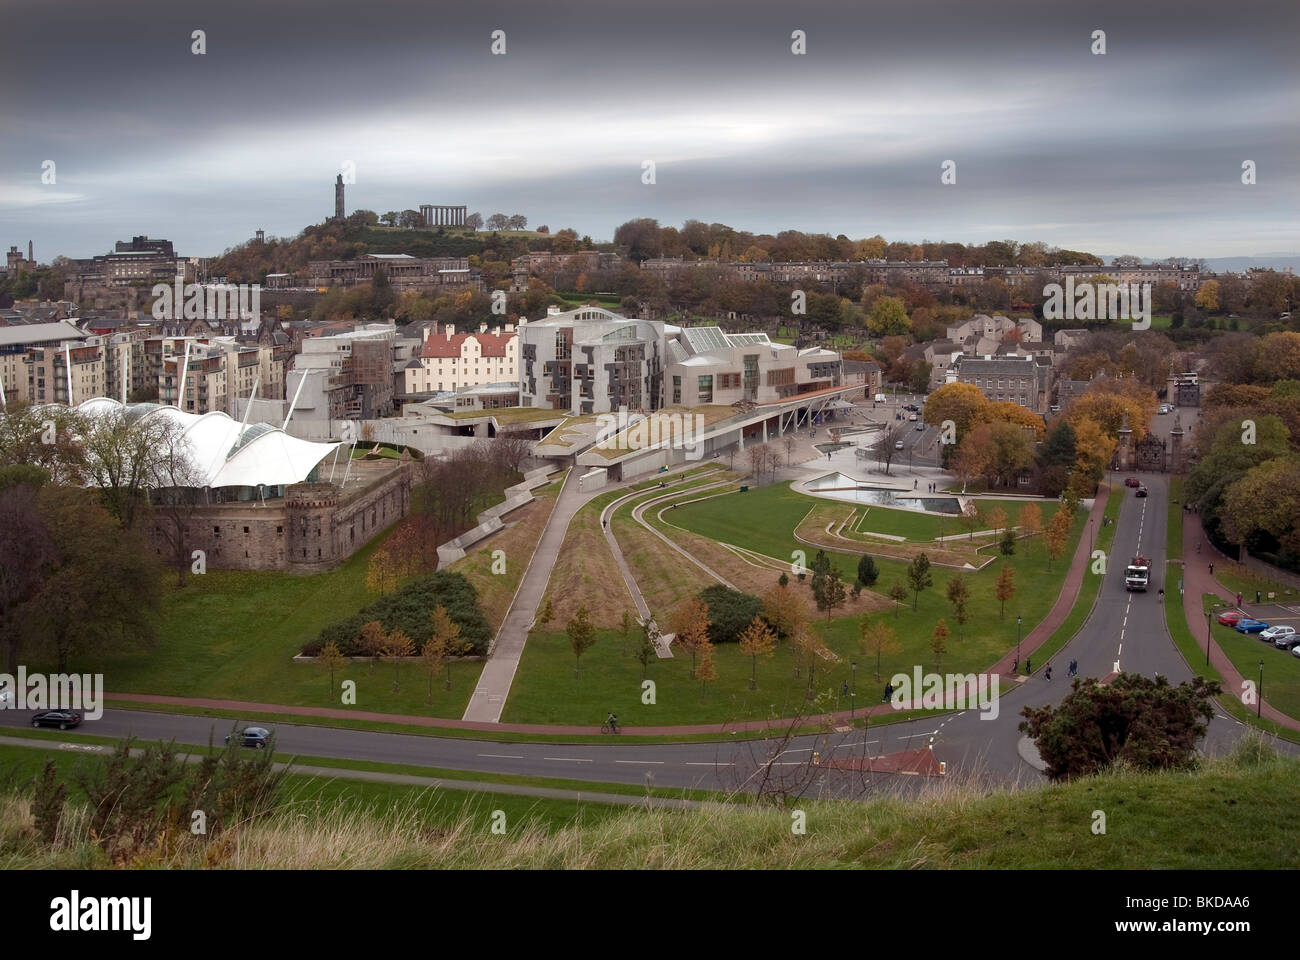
837	486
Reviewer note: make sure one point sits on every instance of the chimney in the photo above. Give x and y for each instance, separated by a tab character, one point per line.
482	328
451	329
510	328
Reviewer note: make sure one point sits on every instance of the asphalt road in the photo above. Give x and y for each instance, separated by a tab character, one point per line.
1125	629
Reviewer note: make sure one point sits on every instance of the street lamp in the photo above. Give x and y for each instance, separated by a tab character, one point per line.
1259	692
853	691
1017	640
1209	614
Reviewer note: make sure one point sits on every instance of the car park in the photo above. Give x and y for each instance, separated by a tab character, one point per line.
1132	482
1229	618
56	718
1250	625
256	737
1280	636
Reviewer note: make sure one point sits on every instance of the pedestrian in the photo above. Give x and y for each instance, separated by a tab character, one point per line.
1028	666
1047	673
1238	599
844	689
1257	596
1074	667
889	693
1015	667
1211	568
914	483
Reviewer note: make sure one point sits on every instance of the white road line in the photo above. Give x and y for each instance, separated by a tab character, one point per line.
502	756
570	759
710	763
639	761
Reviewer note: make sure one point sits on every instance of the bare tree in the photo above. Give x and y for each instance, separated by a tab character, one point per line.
511	448
176	495
885	447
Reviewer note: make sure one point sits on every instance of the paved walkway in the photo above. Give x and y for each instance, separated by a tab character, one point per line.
1198	581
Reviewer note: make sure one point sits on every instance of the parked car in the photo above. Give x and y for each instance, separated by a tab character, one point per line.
1295	651
1229	618
1280	636
1132	482
898	444
1141	492
256	737
56	718
1251	625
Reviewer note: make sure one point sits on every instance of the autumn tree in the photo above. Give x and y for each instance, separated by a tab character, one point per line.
381	574
1030	520
691	624
918	577
897	593
707	671
959	596
545	613
997	519
373	640
582	635
645	649
331	659
962	403
1058	534
785	610
757	640
1005	587
397	646
938	641
829	592
877	638
441	642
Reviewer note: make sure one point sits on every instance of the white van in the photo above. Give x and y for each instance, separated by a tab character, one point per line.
881	398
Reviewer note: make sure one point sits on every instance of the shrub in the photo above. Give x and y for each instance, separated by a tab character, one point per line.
730	612
410	609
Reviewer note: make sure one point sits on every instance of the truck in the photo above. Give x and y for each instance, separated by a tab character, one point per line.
1137	574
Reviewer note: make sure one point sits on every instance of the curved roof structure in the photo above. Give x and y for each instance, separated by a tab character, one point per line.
225	453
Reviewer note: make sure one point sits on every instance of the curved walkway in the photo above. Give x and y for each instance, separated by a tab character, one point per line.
1198	581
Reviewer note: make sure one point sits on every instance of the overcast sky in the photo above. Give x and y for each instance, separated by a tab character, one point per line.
1137	151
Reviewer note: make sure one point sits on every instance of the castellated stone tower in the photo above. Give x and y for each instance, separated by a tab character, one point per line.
338	198
310	508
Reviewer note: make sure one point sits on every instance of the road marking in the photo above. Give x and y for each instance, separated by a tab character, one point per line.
502	756
570	759
703	763
639	761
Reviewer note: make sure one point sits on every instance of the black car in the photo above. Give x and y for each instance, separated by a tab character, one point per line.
56	718
1141	492
256	737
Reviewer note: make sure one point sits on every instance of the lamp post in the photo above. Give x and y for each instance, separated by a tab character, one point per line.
1017	638
1259	692
1209	614
853	691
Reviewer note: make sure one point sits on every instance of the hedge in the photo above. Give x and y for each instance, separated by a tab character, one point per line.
410	609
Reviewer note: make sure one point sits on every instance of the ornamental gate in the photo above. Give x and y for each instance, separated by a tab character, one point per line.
1149	453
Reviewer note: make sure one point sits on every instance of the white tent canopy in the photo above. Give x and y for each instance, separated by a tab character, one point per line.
226	453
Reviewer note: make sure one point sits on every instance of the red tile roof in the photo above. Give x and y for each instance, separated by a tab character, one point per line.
490	344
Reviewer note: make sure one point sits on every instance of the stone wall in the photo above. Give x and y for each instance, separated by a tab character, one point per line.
309	530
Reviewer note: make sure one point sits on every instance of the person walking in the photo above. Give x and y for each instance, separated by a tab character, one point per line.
1211	568
1028	666
889	693
1047	673
1074	668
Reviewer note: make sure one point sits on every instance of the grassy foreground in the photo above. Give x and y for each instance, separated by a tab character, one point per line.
1224	815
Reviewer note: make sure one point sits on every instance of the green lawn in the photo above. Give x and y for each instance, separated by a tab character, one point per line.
232	634
1246	651
545	690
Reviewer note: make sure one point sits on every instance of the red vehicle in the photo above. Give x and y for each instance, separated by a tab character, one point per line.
1229	618
1132	482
